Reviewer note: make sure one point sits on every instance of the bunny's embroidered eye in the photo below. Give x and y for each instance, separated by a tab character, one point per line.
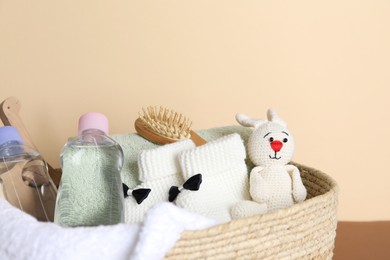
285	140
271	139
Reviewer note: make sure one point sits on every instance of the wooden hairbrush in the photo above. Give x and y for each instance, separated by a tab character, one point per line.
163	126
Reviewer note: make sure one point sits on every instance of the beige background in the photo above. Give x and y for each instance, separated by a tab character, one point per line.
323	65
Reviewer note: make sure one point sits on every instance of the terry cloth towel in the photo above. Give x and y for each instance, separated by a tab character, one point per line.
132	144
158	170
23	237
224	177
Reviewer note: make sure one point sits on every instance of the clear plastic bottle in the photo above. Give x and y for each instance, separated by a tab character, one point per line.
90	191
24	178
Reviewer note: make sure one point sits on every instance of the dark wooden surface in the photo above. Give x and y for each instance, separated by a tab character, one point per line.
362	240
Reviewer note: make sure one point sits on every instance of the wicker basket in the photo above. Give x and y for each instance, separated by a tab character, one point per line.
306	230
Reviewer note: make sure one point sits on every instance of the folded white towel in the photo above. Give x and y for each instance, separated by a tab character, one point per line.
23	237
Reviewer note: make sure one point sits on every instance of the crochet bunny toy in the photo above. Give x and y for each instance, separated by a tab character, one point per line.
274	183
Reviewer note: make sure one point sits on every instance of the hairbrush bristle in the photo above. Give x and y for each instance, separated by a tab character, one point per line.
166	122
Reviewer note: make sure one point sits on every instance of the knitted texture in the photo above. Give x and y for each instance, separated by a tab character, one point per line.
158	170
273	183
225	177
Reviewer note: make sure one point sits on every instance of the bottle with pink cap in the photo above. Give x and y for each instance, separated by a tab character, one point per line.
90	191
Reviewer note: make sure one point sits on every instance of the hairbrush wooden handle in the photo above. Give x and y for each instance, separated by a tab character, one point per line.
197	139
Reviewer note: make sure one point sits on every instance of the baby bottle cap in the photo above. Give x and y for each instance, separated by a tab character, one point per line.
93	120
9	133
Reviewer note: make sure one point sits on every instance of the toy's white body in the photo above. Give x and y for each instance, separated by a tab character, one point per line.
277	186
274	184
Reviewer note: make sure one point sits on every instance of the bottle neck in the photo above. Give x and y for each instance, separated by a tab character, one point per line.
11	149
94	136
15	149
9	143
93	132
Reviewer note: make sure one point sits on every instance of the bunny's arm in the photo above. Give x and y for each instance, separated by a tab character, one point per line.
298	189
259	188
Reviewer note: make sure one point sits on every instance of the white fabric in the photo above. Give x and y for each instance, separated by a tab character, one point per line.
23	237
159	170
162	227
224	173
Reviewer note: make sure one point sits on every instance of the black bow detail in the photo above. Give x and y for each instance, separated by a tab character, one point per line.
173	192
125	190
138	194
193	183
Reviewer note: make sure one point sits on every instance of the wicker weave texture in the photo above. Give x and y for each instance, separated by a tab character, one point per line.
304	231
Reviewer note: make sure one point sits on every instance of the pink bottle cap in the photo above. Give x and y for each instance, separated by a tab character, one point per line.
93	120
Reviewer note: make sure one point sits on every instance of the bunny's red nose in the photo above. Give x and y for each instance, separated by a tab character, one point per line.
276	145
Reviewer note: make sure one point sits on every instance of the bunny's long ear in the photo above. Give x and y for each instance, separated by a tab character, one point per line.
273	117
245	120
